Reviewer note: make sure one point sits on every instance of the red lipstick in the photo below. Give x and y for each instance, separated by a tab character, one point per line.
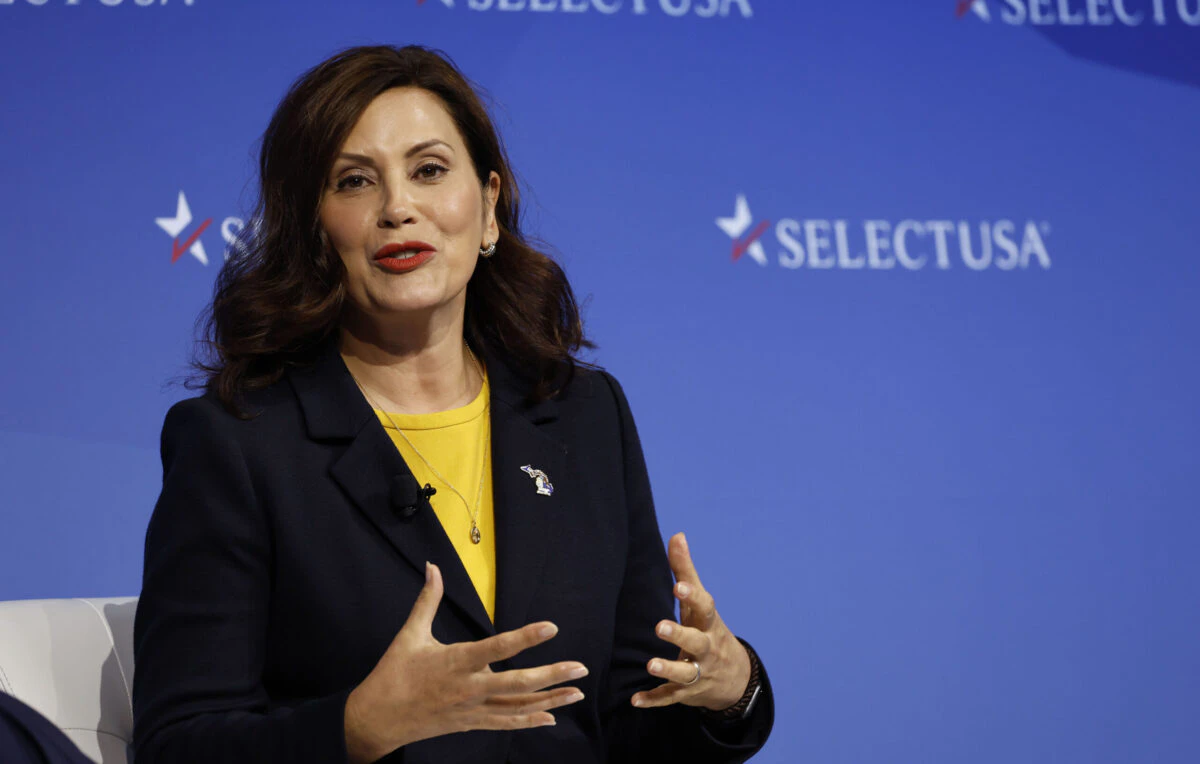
403	257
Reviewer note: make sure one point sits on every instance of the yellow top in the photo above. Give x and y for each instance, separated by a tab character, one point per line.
453	442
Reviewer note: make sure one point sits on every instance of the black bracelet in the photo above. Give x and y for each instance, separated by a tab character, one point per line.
740	710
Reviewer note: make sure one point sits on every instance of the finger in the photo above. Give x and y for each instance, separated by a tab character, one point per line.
529	703
508	722
680	672
519	681
681	560
696	605
663	695
504	646
425	608
690	640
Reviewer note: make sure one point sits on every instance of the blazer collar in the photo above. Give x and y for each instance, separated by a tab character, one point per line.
334	409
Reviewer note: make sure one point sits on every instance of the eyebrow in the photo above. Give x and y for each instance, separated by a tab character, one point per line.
414	150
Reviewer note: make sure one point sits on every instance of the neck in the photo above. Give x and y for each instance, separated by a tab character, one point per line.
412	369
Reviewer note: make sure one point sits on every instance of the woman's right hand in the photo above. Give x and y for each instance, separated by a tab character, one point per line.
422	688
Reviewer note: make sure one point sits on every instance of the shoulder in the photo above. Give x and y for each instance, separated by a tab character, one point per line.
590	411
205	417
203	441
594	390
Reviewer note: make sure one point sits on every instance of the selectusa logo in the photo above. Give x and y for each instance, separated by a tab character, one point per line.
737	225
884	244
702	8
1097	13
192	243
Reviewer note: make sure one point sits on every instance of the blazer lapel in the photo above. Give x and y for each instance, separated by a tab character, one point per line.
334	409
525	520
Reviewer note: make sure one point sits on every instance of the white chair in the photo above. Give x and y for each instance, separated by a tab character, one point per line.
72	661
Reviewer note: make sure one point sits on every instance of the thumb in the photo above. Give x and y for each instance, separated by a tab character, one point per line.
425	608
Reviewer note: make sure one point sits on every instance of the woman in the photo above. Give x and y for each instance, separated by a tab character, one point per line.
386	327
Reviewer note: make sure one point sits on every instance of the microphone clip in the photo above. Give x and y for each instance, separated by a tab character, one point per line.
407	496
425	493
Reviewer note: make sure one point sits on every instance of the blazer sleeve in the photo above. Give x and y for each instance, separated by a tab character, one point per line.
677	732
200	628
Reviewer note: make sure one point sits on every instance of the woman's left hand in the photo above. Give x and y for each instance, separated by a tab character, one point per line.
703	640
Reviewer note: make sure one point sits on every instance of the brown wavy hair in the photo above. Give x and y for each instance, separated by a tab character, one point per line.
280	295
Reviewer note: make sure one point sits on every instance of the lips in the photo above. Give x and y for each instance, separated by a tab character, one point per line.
403	257
404	250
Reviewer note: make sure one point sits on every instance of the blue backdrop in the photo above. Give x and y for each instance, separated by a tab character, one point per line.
904	295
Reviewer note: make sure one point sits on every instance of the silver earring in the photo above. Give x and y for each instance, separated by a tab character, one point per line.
491	250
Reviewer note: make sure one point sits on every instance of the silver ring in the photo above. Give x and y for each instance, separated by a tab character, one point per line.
491	250
698	672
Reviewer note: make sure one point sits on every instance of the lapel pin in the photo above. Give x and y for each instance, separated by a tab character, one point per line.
544	486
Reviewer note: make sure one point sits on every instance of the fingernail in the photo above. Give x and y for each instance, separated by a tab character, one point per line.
428	572
575	697
655	666
684	590
550	723
665	629
578	672
547	631
684	540
638	702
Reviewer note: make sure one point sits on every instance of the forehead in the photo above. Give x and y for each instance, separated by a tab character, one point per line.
399	118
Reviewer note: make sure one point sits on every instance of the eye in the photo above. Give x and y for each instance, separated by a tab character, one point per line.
431	170
352	182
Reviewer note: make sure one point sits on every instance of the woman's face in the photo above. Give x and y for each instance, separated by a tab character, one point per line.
404	177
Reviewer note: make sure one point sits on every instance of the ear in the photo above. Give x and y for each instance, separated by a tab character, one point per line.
491	194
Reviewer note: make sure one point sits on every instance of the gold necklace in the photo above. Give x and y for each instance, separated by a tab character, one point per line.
476	536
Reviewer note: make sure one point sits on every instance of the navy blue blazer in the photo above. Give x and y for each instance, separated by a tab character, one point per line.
277	573
27	737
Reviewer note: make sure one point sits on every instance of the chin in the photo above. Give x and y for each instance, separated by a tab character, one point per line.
401	307
413	301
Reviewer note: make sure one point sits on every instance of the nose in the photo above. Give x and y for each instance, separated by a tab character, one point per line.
397	208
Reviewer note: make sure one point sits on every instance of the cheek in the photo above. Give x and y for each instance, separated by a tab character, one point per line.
344	226
460	212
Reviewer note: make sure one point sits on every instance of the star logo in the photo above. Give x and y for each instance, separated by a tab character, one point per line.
978	7
737	225
174	226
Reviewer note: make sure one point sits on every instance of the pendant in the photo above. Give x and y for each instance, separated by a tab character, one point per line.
476	537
